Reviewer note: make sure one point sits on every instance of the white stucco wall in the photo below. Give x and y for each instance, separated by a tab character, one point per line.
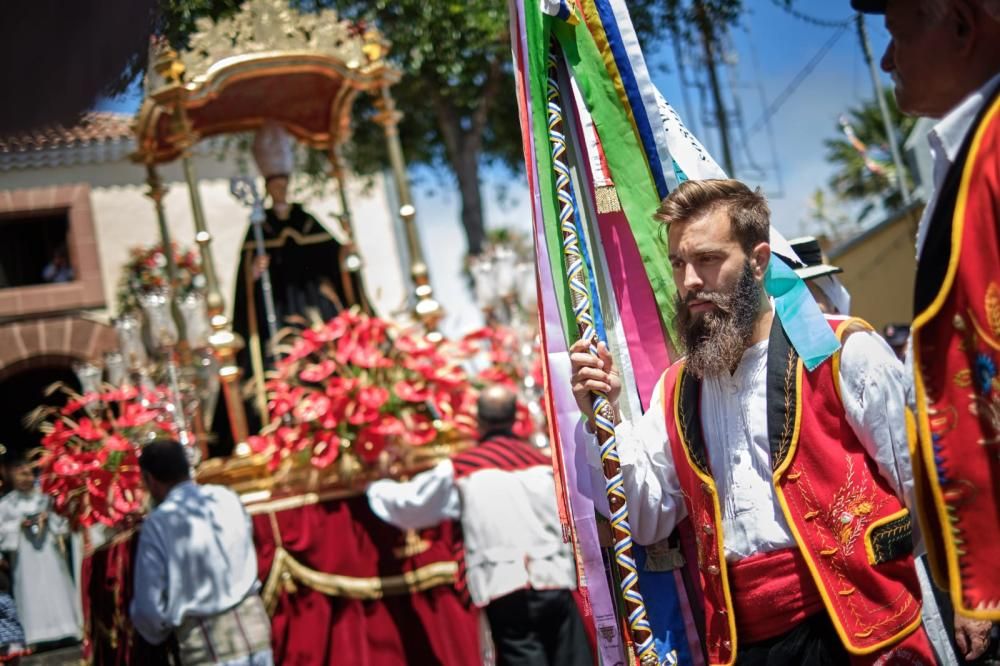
124	217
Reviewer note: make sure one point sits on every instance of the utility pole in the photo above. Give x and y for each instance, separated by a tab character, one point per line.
890	128
708	43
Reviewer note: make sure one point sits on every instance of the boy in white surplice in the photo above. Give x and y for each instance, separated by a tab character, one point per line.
33	537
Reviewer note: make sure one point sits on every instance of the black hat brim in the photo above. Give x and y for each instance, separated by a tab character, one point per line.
869	6
811	272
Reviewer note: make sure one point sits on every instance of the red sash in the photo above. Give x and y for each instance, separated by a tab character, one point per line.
772	592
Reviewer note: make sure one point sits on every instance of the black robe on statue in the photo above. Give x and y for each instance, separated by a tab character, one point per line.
307	279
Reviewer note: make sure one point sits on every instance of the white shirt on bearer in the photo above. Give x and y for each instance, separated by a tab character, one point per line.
195	558
734	418
510	524
946	139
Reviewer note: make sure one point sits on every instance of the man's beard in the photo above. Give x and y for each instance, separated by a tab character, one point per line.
715	340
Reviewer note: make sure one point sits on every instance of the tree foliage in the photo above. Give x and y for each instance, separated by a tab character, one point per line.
868	176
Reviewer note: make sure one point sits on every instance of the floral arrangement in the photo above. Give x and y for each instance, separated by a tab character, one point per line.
146	271
89	452
358	386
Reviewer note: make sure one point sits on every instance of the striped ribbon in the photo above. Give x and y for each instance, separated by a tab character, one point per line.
577	280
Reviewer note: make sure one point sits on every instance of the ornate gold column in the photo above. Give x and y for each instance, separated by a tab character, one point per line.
223	341
225	344
156	193
427	309
352	261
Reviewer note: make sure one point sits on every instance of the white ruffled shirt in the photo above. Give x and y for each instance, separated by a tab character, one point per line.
510	524
734	419
195	558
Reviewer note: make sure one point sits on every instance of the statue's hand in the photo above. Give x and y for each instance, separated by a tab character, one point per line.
260	265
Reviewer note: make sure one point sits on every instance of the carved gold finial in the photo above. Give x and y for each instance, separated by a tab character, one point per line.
169	66
265	26
374	47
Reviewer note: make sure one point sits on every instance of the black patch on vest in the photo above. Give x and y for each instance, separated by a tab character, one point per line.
782	361
689	409
892	540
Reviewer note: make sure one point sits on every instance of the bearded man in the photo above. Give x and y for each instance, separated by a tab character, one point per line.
794	481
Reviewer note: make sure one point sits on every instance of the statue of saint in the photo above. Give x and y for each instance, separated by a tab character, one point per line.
307	267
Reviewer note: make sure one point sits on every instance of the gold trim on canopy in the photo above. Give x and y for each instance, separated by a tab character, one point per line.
264	63
286	571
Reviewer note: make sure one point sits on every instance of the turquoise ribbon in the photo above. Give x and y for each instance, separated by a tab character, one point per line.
801	318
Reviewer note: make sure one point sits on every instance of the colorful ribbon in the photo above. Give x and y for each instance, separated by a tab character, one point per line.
583	310
802	320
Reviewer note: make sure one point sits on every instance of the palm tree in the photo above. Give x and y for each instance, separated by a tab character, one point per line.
866	172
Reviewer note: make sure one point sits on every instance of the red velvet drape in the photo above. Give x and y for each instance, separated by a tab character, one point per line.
309	628
106	582
345	538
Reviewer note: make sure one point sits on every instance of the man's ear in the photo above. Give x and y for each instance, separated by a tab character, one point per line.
760	257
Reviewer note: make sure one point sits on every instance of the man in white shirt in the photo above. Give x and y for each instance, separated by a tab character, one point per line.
944	58
794	481
196	568
517	566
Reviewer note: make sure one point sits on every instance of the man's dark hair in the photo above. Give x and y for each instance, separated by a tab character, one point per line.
4	582
496	409
693	199
165	460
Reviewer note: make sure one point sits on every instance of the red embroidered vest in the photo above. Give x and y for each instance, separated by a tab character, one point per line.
956	353
852	531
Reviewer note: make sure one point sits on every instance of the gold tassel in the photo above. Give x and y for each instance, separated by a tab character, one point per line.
288	583
607	199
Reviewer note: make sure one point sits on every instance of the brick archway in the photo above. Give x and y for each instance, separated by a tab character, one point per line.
67	337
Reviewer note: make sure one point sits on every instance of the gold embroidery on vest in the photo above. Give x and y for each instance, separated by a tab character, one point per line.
859	503
789	426
984	401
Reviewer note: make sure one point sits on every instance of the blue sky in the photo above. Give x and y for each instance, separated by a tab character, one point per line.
767	52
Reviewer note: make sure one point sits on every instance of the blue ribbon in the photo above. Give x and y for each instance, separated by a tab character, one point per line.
802	319
560	9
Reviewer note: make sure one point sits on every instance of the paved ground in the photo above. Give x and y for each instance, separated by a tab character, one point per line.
62	657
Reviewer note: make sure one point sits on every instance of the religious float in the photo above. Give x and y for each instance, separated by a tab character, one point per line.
335	402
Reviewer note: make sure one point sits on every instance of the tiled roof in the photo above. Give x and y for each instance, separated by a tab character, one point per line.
99	137
94	127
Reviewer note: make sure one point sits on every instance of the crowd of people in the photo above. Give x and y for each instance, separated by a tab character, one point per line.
844	509
803	488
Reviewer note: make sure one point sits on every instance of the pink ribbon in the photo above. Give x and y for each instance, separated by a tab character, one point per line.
567	425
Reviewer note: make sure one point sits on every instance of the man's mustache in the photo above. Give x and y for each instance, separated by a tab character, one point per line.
704	296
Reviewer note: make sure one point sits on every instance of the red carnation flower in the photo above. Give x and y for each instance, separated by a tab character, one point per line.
325	450
317	372
313	407
412	391
420	430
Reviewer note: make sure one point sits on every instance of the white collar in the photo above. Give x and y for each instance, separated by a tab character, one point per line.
948	134
174	494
